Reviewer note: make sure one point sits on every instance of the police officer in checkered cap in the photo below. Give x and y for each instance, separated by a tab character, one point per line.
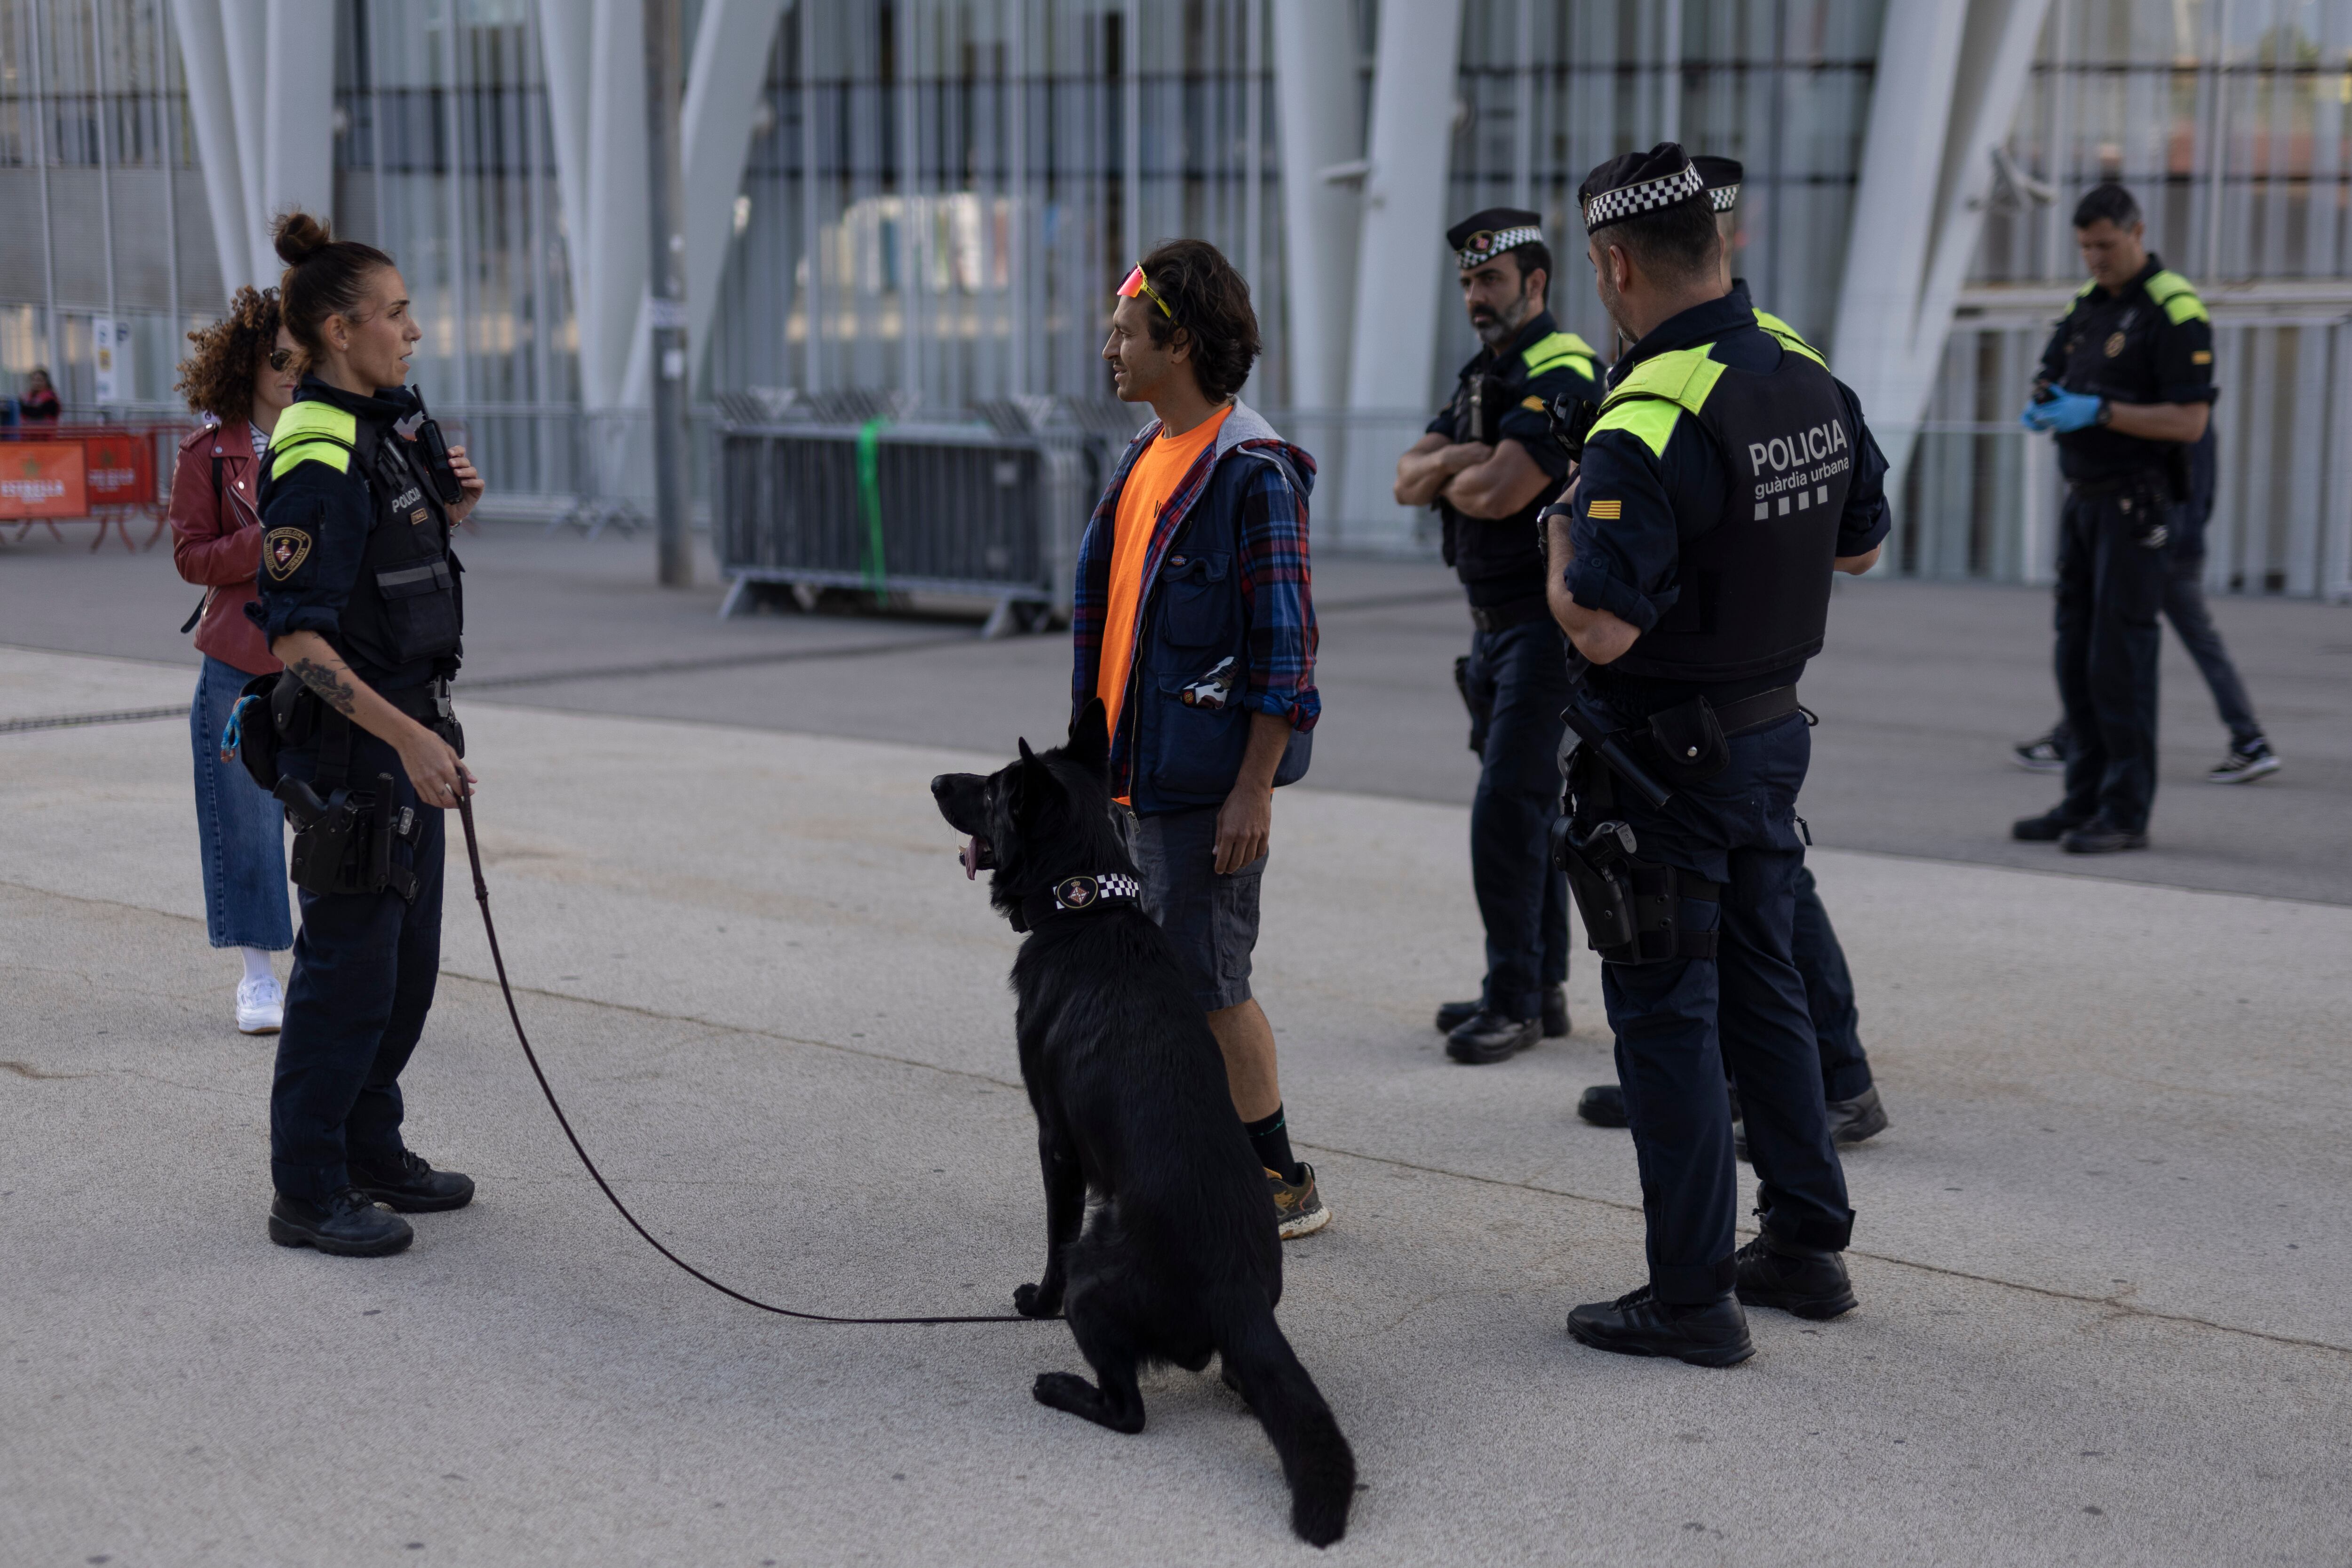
1689	562
1487	464
1855	1109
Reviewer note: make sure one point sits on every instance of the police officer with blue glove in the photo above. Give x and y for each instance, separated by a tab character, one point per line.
2126	387
1726	478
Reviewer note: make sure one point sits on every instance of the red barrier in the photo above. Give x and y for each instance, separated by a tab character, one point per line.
114	478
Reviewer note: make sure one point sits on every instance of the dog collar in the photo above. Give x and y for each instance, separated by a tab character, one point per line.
1079	895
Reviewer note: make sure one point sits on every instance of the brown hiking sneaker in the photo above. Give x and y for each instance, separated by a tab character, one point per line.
1299	1208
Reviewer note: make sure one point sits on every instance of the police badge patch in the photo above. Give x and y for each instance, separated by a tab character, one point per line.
283	550
1076	892
2115	345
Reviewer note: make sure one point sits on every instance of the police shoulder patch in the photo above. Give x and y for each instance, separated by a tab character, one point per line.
283	550
1608	510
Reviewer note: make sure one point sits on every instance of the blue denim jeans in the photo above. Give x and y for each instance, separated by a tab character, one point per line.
241	832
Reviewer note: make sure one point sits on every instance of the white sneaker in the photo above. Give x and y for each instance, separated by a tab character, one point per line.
260	1007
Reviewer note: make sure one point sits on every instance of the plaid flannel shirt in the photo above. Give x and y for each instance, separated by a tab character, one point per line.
1276	579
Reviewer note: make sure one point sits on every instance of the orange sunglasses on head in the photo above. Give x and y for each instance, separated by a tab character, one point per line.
1136	283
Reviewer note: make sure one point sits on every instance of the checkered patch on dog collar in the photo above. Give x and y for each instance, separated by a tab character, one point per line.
1086	892
1648	197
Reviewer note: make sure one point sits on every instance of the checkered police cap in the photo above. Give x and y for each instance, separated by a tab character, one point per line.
1637	185
1482	236
1722	177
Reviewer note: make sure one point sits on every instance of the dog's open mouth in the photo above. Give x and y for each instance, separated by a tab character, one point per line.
977	855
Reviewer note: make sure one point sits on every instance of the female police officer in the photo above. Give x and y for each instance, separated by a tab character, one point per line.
359	597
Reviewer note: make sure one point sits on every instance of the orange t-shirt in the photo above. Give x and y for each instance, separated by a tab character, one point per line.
1149	484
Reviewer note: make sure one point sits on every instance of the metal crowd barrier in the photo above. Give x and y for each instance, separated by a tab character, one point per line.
883	508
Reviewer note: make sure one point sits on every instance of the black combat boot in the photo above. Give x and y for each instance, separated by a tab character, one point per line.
2047	828
1604	1105
1452	1016
1491	1038
1809	1281
2100	836
414	1187
348	1226
1706	1333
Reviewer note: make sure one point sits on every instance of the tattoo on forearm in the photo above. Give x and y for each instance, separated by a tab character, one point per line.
334	685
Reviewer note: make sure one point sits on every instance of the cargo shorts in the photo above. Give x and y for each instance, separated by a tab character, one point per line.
1211	919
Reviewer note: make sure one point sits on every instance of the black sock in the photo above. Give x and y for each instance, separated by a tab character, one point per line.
1271	1139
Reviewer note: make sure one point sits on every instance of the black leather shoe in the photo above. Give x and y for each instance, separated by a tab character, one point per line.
415	1187
1604	1105
1491	1038
2100	836
349	1226
1806	1280
1851	1121
2047	828
1712	1333
1452	1016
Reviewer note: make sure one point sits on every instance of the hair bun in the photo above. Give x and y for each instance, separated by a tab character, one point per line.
300	236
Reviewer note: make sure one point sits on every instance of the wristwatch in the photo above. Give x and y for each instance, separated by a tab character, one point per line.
2106	414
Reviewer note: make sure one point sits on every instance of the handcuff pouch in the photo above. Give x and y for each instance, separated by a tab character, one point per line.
1690	740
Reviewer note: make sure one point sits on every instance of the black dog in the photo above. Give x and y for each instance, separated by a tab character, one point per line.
1181	1260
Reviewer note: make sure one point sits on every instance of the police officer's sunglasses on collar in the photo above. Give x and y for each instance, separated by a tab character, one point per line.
1136	283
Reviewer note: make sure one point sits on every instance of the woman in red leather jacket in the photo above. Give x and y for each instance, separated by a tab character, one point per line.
239	378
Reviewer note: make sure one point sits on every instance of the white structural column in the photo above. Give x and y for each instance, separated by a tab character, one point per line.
594	59
298	113
1315	54
1401	254
731	44
203	59
261	95
1956	74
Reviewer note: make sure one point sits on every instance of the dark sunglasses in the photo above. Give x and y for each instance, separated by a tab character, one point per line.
281	358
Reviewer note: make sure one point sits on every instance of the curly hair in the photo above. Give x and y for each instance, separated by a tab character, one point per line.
1211	302
217	379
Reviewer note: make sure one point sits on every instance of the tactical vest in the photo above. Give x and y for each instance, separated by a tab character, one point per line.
1755	584
1481	548
406	606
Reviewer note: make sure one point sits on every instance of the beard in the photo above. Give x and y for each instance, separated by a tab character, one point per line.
1496	329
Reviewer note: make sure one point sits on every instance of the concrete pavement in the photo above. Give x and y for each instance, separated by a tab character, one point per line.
2100	1251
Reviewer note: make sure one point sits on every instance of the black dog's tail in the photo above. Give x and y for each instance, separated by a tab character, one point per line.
1315	1459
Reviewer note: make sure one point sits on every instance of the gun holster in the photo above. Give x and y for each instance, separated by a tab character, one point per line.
1631	908
343	844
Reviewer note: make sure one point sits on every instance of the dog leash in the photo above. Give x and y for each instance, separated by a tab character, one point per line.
482	898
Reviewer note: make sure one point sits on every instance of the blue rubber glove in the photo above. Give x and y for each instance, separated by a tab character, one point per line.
2062	412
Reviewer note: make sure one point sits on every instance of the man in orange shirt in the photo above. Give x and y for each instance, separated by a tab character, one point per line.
1194	623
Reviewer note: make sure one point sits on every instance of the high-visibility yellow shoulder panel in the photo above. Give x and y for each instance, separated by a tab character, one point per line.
1789	338
1558	349
2086	287
1686	376
2179	298
1652	419
313	432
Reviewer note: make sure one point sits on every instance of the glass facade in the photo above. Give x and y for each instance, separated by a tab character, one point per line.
937	193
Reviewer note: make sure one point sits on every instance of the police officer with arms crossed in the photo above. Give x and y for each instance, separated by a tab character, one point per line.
359	597
1486	463
1726	478
1856	1112
2126	385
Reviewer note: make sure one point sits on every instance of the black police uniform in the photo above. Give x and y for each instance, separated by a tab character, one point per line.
1724	477
356	547
1514	678
1856	1112
2150	341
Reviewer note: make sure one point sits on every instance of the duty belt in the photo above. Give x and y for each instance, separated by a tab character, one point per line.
427	704
1751	713
2116	484
1516	613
